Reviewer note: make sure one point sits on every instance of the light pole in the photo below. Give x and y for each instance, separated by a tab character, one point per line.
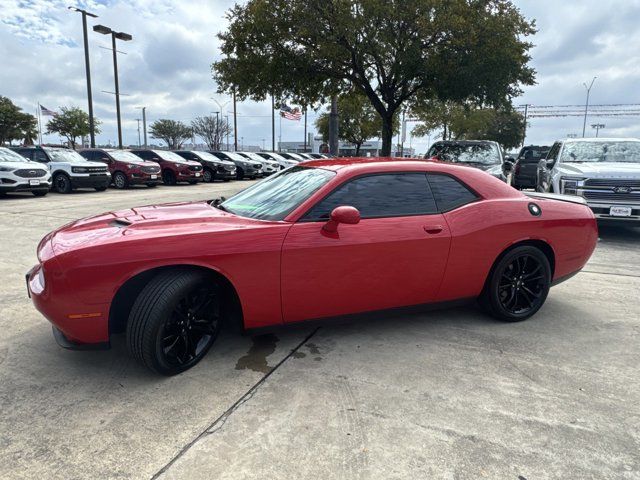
586	105
222	113
597	126
138	120
86	14
124	37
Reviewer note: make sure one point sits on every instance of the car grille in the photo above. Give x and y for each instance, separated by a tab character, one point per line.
151	169
195	168
95	169
31	173
611	183
611	196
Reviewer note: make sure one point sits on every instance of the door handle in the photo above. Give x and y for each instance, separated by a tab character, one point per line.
433	229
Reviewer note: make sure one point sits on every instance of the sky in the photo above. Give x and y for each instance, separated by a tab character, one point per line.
167	65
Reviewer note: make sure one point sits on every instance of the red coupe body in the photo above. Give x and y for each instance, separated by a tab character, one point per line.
292	270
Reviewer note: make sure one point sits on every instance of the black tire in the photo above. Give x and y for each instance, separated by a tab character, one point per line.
62	183
40	193
159	315
208	176
120	181
100	189
518	284
239	173
169	178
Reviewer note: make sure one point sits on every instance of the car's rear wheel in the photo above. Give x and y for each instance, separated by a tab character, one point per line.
168	177
518	284
62	183
174	321
120	180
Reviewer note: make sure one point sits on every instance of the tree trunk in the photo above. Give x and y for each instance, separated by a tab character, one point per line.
358	145
387	135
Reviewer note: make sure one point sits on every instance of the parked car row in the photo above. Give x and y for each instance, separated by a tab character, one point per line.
605	172
39	169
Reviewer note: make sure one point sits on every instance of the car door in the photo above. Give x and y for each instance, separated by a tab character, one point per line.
395	256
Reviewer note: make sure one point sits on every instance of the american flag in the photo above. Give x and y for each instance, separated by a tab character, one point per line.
290	113
46	111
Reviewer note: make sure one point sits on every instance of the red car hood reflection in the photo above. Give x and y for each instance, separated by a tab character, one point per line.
147	222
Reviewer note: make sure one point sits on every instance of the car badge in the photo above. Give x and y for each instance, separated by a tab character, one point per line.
622	189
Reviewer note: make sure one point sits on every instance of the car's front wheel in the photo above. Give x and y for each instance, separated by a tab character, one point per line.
174	321
62	183
518	284
208	175
169	178
120	180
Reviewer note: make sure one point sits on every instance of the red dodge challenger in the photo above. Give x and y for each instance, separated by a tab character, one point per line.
321	239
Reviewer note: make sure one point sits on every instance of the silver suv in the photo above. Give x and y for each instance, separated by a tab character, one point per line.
605	171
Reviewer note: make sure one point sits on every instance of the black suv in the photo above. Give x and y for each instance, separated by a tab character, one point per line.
525	173
214	167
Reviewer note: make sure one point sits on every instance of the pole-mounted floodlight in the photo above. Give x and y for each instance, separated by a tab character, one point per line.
120	36
86	14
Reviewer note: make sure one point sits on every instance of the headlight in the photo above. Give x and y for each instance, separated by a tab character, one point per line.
6	169
130	166
569	185
78	169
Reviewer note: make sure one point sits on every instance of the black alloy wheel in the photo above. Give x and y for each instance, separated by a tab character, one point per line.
120	180
62	183
519	284
174	321
207	175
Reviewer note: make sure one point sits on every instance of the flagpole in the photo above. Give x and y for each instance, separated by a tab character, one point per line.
273	124
280	134
39	125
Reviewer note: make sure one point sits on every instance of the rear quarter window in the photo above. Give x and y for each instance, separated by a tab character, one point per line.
449	193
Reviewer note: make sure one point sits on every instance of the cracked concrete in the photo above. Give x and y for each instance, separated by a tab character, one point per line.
448	394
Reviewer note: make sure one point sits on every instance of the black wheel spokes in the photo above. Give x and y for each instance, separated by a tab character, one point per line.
194	321
521	285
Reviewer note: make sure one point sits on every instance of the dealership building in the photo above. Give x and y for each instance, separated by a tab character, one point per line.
315	144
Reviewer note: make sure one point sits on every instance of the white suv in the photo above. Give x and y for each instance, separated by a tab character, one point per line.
604	171
18	174
69	170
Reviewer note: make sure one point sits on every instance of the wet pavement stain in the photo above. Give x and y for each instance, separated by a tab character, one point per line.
256	357
313	348
298	355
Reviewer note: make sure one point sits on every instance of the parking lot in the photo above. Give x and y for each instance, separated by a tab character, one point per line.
446	394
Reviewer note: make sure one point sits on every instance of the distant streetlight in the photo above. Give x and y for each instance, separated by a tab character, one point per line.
144	124
126	38
586	105
86	14
597	126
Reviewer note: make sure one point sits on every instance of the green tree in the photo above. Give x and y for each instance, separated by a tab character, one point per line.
389	50
172	132
357	123
71	123
504	125
15	124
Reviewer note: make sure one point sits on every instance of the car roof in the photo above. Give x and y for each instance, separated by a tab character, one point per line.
463	142
373	163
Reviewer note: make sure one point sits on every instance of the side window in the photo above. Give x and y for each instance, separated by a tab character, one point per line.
382	195
449	193
143	154
39	156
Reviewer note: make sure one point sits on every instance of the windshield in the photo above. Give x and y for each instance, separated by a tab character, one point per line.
235	156
123	156
277	196
484	153
170	156
625	152
207	156
62	155
7	155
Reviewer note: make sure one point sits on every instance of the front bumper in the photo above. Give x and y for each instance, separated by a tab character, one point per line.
602	212
79	326
24	186
189	176
92	180
142	178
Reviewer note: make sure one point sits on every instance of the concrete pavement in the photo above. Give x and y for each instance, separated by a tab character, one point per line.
447	394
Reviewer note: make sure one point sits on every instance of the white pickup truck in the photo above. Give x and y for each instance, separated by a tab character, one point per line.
604	171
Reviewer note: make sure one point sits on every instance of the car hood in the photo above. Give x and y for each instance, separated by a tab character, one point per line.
601	169
146	223
23	165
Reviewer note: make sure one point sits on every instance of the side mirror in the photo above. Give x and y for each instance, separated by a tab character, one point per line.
347	215
550	163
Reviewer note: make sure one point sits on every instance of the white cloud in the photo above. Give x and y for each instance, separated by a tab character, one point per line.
167	65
